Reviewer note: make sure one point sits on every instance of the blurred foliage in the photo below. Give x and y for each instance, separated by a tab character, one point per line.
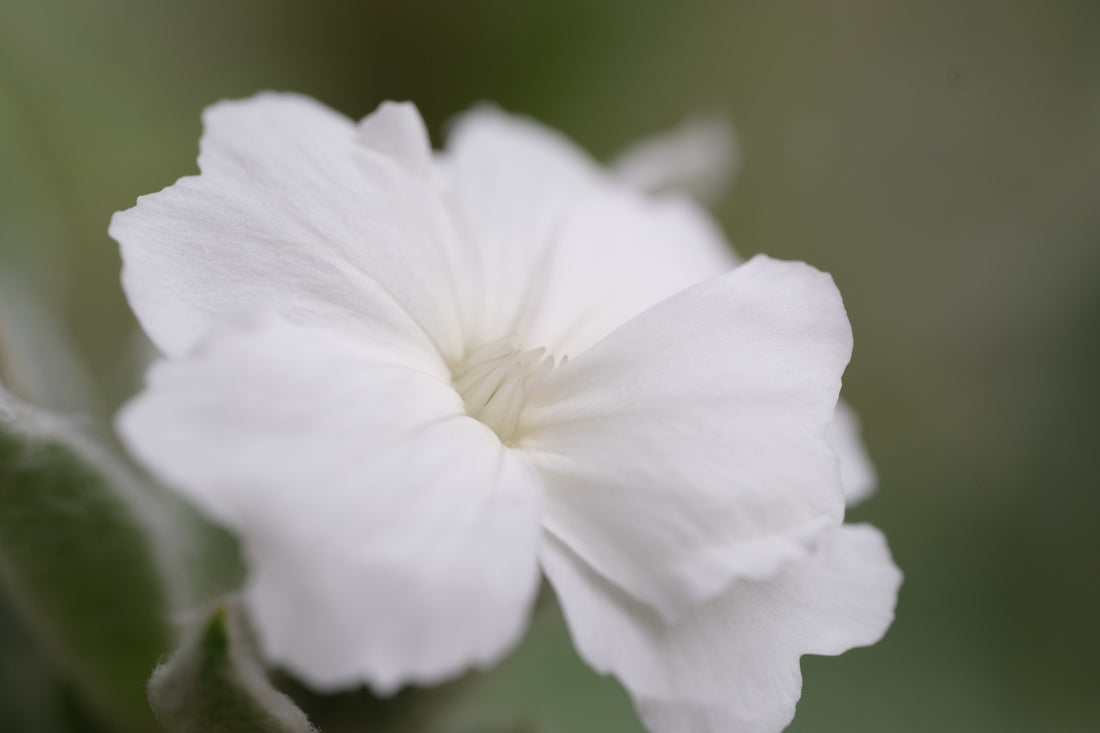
78	564
214	683
941	159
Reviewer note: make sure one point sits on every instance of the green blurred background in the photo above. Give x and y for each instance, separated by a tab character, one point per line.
941	159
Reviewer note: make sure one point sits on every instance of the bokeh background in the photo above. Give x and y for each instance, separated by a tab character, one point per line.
941	159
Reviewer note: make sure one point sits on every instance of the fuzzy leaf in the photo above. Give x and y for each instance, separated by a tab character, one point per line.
214	684
77	563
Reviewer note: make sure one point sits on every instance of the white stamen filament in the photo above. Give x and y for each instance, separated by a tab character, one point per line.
493	381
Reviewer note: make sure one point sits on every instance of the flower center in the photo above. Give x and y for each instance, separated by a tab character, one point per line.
493	381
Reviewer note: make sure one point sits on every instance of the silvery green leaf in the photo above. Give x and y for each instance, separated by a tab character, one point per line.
29	694
77	562
200	562
214	684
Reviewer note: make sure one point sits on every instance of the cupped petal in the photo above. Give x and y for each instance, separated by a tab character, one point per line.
731	665
698	158
688	448
567	253
618	253
396	129
857	472
389	537
293	213
510	183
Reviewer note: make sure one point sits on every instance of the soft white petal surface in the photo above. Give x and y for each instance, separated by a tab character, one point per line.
566	253
732	665
293	213
857	473
389	537
698	158
617	254
397	130
688	448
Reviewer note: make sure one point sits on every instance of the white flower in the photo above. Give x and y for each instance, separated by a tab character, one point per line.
699	157
367	380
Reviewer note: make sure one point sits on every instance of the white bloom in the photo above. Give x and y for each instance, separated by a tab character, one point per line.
857	473
699	157
367	380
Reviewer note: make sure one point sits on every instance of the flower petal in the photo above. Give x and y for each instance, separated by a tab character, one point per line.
390	538
857	473
397	130
618	253
698	158
567	252
688	448
291	213
732	664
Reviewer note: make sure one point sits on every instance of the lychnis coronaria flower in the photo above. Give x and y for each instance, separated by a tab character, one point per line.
414	382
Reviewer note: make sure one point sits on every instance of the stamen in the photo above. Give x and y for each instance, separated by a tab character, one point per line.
494	379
